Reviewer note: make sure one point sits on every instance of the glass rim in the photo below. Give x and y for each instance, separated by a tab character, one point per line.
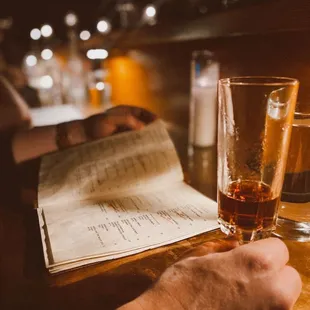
204	52
299	114
259	81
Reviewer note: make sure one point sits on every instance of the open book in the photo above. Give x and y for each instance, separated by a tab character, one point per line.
116	197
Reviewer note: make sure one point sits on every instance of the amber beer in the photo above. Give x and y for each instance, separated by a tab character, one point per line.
294	210
248	205
296	187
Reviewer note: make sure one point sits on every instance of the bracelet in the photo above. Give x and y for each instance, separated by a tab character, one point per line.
62	139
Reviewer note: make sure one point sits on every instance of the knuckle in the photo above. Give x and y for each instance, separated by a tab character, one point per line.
122	106
284	293
118	110
254	261
279	245
182	267
200	250
186	263
129	119
295	278
281	301
294	274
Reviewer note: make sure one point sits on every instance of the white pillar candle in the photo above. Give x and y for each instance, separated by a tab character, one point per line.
203	109
204	118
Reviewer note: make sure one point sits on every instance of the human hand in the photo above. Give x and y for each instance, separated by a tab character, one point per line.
117	119
51	138
253	276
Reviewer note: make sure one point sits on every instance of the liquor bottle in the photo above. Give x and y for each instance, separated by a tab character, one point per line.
75	73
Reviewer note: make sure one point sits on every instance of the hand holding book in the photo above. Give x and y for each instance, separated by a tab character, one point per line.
116	120
48	139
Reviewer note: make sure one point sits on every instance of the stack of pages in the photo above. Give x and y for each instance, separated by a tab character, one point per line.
116	197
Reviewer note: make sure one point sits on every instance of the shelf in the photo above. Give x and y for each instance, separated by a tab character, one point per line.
267	17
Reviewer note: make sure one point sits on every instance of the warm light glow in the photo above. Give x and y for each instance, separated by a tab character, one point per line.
31	60
46	82
150	11
46	31
90	54
71	19
100	86
35	34
104	26
85	35
47	54
97	54
123	69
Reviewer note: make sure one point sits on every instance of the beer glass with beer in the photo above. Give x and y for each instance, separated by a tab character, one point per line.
294	210
254	129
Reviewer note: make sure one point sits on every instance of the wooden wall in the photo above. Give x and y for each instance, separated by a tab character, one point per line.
158	76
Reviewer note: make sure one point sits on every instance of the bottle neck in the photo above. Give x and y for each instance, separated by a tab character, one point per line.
73	43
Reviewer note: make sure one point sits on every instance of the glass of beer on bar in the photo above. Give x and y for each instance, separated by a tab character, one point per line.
254	130
294	210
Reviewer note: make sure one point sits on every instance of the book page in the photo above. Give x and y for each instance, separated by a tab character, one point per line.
114	166
77	234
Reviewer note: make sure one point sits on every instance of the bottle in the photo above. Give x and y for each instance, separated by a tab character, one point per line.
99	87
75	80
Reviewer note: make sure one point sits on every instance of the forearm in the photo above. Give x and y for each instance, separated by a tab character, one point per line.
38	141
33	143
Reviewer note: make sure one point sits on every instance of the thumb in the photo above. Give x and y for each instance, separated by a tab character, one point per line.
213	246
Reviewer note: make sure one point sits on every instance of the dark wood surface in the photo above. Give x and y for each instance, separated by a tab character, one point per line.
26	285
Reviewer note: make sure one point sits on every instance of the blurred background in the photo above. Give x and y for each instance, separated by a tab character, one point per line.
97	53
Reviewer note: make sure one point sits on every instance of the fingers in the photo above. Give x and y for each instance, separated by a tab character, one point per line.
119	123
265	254
102	125
213	246
123	121
115	120
287	287
141	114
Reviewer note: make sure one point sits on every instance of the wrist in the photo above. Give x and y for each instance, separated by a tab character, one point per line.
77	133
70	134
90	124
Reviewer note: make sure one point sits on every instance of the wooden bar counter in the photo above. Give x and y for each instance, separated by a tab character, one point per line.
25	283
